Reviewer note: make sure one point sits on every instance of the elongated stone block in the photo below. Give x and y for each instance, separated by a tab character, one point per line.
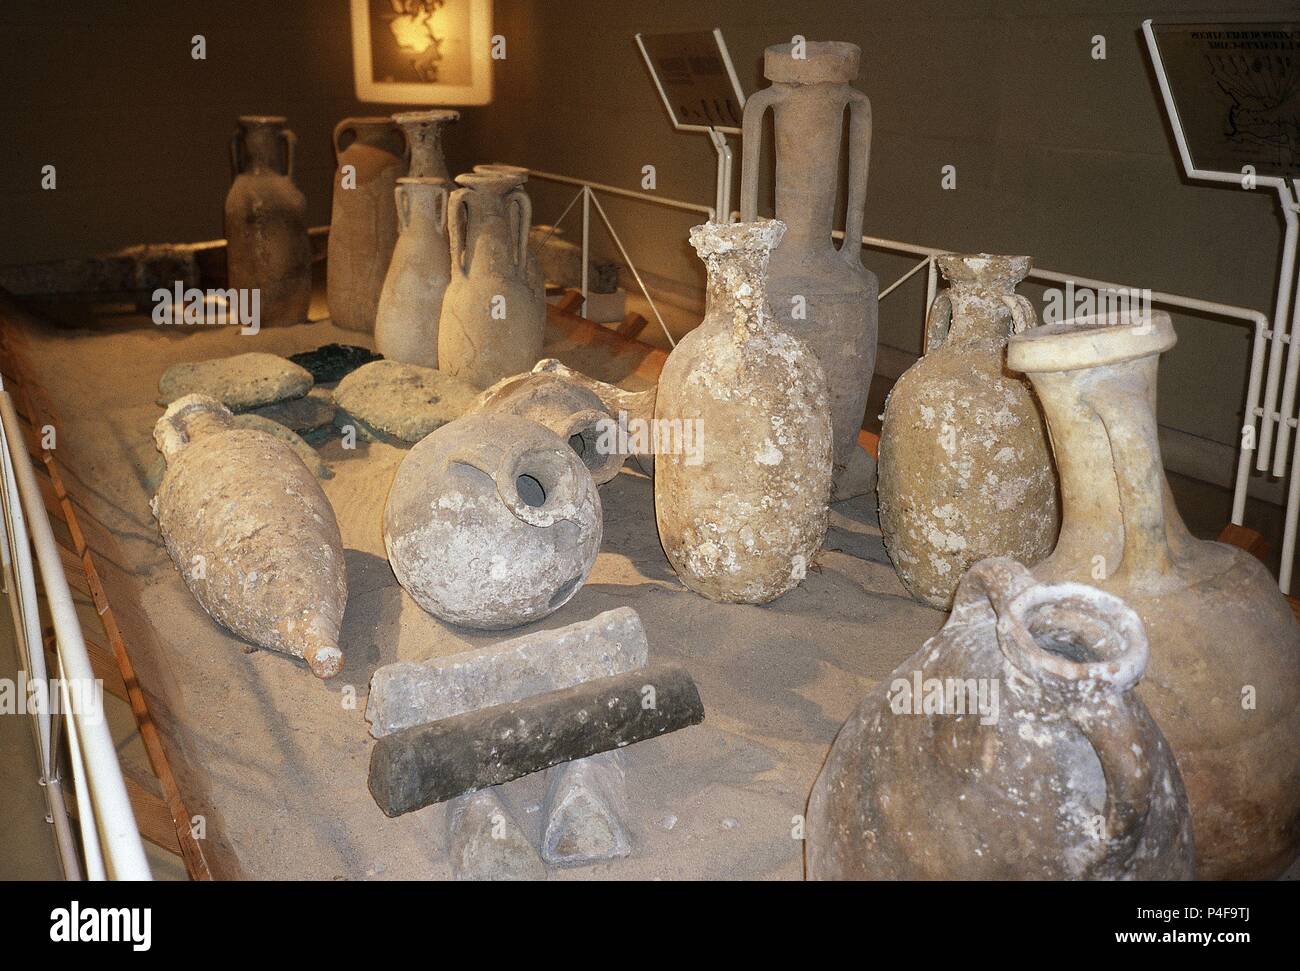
585	803
408	693
420	766
486	843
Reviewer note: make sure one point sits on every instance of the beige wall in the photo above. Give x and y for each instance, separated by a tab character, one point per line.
1058	156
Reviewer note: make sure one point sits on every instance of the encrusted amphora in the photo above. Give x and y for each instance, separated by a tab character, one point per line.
965	468
1011	746
493	315
410	305
743	509
492	521
267	248
1224	679
820	293
251	532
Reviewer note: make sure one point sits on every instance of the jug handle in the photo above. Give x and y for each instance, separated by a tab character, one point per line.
751	146
236	140
457	219
504	472
938	321
403	202
1023	316
859	163
1121	748
345	125
520	199
440	209
290	151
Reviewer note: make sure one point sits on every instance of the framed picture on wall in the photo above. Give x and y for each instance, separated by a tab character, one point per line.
422	51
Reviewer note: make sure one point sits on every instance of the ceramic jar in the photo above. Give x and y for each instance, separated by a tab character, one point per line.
423	130
743	467
536	278
965	468
251	532
492	521
1224	680
820	293
570	409
370	154
267	248
1011	746
493	315
410	305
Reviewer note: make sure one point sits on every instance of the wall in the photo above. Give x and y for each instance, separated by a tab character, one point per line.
1058	155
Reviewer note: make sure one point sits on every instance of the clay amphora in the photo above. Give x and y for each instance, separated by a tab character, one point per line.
1011	746
536	278
266	221
251	532
492	522
406	325
363	223
742	505
423	131
965	469
493	315
820	293
1224	682
570	409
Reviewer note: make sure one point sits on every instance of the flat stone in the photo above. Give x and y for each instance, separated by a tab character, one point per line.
406	693
240	382
486	843
332	362
405	401
305	416
585	803
309	455
432	763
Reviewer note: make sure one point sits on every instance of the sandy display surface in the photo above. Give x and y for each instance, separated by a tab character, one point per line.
276	760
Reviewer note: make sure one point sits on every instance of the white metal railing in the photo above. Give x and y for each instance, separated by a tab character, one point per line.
110	840
1253	438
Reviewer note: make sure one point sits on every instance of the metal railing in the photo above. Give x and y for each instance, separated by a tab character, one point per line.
1262	338
110	843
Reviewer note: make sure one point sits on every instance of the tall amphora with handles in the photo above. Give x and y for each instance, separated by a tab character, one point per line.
820	292
493	315
267	249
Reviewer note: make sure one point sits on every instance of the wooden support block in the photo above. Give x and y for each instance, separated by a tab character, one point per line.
632	325
871	442
570	303
1245	538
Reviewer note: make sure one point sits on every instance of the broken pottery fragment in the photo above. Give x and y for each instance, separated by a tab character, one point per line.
486	843
332	362
307	416
405	401
1225	648
240	382
1011	746
432	763
251	532
369	155
267	246
820	293
585	803
492	521
742	514
493	313
308	455
567	407
407	693
965	470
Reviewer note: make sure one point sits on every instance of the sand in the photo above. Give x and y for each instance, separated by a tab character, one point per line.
275	761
